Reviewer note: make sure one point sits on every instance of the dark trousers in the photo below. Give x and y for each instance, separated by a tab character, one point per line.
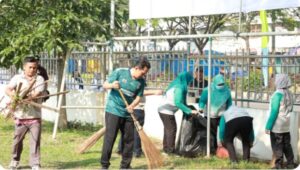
34	143
281	144
239	126
137	146
113	124
214	123
170	129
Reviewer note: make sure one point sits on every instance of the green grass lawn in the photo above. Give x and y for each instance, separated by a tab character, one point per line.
60	153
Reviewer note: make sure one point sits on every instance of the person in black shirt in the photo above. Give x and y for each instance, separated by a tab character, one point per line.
199	82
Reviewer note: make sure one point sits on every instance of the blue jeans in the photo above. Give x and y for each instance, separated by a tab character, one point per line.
137	147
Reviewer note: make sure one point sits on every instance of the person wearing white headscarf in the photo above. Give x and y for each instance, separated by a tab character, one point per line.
278	123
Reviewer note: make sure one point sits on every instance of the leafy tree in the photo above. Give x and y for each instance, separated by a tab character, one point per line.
200	25
58	27
286	17
205	25
170	26
247	20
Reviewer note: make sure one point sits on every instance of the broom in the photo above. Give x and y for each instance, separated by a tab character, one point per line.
91	141
153	156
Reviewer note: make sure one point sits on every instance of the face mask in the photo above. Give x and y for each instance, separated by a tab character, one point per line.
220	87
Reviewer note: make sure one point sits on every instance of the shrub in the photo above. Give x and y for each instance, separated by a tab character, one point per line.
255	81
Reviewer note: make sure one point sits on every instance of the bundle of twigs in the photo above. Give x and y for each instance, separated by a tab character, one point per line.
21	97
153	156
16	100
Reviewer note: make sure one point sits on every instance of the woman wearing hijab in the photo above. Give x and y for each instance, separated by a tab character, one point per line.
174	99
220	101
278	123
236	122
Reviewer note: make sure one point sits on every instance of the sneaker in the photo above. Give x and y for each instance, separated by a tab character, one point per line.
35	167
165	154
13	164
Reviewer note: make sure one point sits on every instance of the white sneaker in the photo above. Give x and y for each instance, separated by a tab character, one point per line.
13	164
165	154
35	167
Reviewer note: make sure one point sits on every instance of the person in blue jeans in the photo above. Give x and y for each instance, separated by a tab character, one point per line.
140	116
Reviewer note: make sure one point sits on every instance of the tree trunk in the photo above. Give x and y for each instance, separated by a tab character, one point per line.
247	45
63	120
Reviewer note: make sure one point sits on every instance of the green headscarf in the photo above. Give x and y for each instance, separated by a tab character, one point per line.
219	94
182	80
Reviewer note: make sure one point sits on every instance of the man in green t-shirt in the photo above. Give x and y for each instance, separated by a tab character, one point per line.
117	115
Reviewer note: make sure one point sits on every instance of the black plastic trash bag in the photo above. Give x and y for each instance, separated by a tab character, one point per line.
192	138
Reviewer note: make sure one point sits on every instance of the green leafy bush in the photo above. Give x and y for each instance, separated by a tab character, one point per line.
255	81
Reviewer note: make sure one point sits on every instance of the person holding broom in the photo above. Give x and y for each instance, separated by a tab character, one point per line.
140	115
27	117
174	99
117	116
220	101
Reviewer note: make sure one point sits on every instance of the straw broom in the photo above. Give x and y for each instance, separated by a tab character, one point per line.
90	141
153	156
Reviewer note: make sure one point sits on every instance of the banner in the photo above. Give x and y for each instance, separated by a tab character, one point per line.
264	47
146	9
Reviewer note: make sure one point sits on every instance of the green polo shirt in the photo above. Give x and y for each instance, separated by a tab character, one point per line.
130	88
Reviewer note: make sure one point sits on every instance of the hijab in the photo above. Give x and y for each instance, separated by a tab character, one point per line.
282	83
181	81
219	92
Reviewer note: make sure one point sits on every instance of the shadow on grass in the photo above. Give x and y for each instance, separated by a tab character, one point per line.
24	167
93	162
82	130
75	164
140	167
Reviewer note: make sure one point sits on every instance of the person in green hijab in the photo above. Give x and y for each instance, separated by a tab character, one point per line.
220	101
174	99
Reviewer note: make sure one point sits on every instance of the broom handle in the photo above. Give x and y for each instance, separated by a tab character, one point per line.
39	85
19	88
28	90
49	95
40	105
2	98
136	123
